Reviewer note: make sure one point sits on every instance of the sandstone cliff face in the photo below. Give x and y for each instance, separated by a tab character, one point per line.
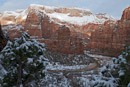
48	27
3	40
110	38
33	23
105	39
74	30
126	14
125	24
64	42
13	31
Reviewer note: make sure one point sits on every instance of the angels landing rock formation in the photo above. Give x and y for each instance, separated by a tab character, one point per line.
70	30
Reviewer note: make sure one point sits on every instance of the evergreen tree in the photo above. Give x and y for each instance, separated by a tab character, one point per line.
120	70
124	73
23	62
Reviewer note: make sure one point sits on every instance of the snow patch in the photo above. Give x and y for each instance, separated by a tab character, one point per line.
77	20
14	14
30	60
121	73
36	6
95	55
64	67
128	85
10	22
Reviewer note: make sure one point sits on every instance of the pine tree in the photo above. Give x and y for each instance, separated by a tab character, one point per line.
23	61
125	67
120	70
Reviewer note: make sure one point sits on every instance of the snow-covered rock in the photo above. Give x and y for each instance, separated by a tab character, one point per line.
71	15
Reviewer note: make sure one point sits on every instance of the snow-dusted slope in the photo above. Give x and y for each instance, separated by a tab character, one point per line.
71	15
11	17
77	20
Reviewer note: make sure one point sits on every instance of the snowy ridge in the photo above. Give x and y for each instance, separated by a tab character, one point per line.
83	16
36	6
77	20
14	13
12	16
84	19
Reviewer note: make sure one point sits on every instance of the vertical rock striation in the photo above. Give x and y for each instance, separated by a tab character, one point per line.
111	37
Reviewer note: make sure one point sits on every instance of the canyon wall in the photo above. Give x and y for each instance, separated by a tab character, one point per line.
98	34
110	38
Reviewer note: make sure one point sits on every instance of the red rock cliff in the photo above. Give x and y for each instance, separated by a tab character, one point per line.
74	35
110	38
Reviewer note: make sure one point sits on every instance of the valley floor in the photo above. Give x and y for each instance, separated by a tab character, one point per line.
74	73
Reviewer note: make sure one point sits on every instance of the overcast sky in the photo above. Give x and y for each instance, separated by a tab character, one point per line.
112	7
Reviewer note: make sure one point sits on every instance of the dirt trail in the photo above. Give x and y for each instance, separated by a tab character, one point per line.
87	68
97	63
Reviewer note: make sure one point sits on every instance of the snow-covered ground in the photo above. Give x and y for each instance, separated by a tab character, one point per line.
64	67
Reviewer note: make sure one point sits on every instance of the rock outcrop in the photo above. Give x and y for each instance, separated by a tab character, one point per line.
73	30
125	24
